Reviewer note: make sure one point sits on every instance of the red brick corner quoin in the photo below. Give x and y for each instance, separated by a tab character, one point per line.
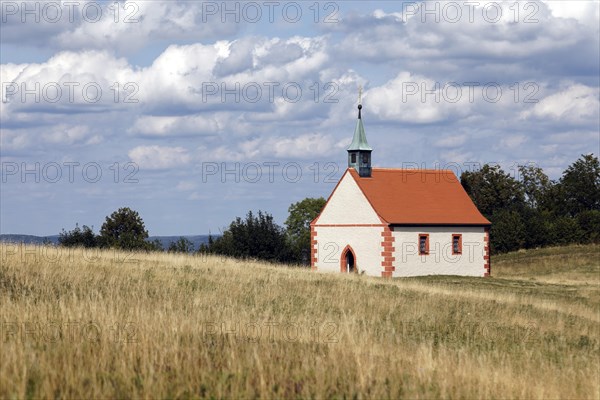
313	248
387	252
486	252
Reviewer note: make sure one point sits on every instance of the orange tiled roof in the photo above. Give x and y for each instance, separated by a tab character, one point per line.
409	196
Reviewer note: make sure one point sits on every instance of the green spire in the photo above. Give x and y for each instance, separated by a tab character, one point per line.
359	141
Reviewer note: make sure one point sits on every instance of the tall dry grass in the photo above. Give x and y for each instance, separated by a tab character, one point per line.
107	324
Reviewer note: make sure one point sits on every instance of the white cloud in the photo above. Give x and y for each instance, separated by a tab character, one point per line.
176	125
433	43
302	146
176	90
89	81
405	99
198	76
575	104
101	25
584	11
45	137
159	157
63	134
311	144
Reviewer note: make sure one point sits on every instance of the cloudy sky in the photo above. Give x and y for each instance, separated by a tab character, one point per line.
193	113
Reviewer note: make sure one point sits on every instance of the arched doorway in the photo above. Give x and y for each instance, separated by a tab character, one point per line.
348	260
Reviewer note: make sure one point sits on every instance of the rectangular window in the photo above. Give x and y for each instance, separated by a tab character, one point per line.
353	158
365	158
423	244
456	244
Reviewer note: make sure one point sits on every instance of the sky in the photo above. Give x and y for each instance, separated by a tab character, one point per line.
195	112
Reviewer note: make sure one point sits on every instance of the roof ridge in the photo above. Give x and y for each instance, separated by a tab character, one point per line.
427	170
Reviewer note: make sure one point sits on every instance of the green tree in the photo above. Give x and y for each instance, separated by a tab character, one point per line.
298	226
501	199
78	237
580	185
537	211
492	190
536	185
181	245
124	229
565	230
537	228
589	225
508	231
257	236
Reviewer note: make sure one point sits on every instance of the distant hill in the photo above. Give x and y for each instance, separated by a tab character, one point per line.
28	239
53	239
197	240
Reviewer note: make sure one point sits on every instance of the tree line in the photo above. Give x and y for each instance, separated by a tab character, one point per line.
527	211
255	236
532	210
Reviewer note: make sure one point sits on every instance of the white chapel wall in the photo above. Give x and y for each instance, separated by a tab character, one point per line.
365	241
440	260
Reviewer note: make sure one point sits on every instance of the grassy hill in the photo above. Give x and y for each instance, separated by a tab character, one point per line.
107	324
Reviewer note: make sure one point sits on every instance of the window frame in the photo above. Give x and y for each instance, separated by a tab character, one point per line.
353	158
426	237
459	236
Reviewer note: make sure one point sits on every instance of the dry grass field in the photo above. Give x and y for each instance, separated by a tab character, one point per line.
78	324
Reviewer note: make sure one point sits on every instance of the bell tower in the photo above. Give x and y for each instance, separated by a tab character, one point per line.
359	151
